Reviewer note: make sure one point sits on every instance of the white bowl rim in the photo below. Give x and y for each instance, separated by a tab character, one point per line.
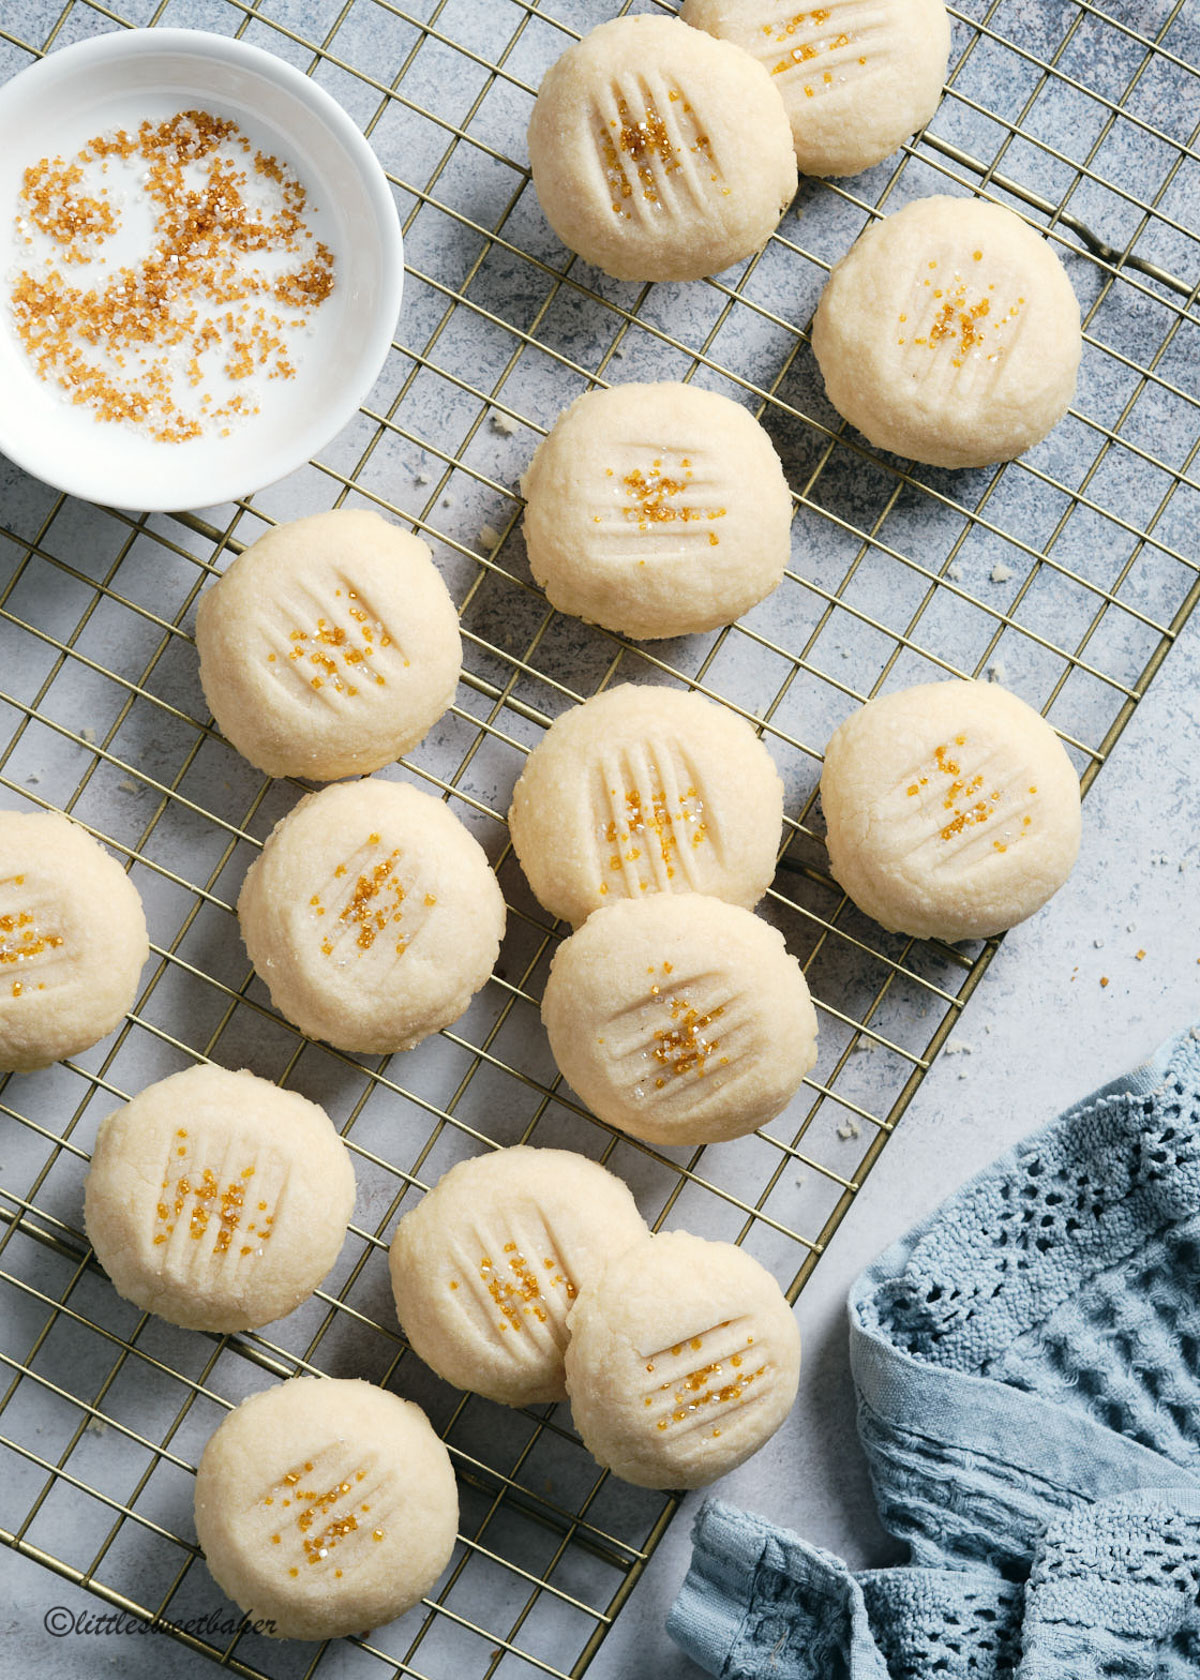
231	486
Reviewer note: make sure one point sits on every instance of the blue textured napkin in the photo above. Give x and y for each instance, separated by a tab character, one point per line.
1027	1362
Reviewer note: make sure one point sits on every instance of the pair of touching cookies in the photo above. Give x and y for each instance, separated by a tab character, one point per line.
661	151
651	819
528	1275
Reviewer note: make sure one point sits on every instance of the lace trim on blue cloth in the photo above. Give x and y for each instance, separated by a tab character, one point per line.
1028	1368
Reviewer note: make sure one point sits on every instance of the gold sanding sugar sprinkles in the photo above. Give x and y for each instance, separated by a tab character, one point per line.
177	340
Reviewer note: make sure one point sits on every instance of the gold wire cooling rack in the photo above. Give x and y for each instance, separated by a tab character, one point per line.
1067	574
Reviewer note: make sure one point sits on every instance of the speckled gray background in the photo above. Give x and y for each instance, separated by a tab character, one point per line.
1041	1029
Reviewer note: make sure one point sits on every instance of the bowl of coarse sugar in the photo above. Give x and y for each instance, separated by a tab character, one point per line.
202	268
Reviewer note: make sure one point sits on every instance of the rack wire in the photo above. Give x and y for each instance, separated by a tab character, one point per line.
1067	574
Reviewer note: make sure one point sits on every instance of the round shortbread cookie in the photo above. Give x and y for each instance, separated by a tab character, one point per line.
949	334
680	1019
72	940
659	153
646	790
486	1268
372	916
952	810
855	80
217	1200
325	1506
684	1358
329	647
656	510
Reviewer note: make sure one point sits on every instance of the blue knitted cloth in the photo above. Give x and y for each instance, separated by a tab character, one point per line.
1027	1362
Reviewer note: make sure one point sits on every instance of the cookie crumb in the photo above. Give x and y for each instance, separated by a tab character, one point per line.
489	537
1000	572
849	1129
996	672
502	423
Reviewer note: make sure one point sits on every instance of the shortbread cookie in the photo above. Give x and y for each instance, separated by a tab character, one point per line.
486	1268
325	1506
657	510
680	1019
952	810
855	80
659	153
72	940
644	790
217	1200
949	334
684	1358
329	647
372	916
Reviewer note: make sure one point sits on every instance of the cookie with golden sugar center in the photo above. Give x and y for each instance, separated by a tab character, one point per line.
372	915
656	510
73	940
485	1269
684	1358
681	1020
329	647
855	81
659	153
217	1200
643	790
952	810
325	1506
950	334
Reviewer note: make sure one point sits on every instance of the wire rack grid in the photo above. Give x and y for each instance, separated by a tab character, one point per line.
1067	574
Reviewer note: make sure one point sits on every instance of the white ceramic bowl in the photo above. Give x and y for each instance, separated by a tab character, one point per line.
118	80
